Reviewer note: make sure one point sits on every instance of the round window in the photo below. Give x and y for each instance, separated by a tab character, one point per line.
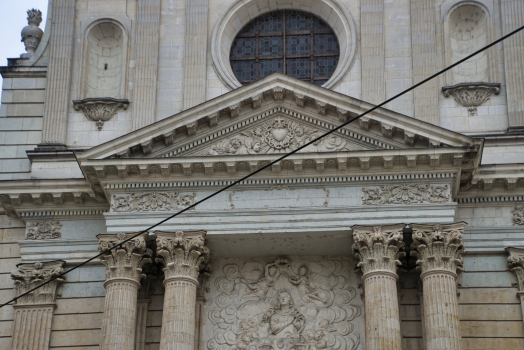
294	43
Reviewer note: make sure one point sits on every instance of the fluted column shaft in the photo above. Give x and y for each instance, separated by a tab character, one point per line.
118	326
141	321
183	255
441	317
382	315
377	248
439	250
124	272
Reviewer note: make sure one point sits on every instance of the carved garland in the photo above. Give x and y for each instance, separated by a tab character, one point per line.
405	194
43	230
154	201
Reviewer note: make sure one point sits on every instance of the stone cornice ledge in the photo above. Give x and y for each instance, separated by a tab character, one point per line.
73	251
506	174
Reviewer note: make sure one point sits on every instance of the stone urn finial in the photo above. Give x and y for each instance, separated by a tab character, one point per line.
31	34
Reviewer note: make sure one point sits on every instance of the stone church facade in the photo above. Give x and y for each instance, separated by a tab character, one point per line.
402	230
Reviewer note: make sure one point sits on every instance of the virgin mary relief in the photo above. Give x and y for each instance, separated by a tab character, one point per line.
282	305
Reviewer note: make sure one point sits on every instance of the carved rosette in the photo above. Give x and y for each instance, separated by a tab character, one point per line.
183	254
127	260
378	248
516	265
49	229
29	276
438	247
471	95
32	34
100	109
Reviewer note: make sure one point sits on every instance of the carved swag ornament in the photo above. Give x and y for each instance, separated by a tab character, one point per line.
127	260
378	248
29	276
43	230
278	135
283	305
405	194
154	201
100	109
438	247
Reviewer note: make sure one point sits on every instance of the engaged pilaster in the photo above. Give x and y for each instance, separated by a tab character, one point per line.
124	272
34	311
439	250
516	265
183	255
377	249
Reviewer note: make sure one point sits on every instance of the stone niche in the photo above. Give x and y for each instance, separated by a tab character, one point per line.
300	303
468	29
105	56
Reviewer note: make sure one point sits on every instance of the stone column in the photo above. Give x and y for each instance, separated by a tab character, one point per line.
123	275
377	249
516	264
152	273
183	255
57	102
34	312
439	250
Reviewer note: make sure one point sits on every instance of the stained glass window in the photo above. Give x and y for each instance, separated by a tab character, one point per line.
291	42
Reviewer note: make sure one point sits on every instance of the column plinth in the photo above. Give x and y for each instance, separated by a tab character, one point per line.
439	250
377	249
123	275
183	256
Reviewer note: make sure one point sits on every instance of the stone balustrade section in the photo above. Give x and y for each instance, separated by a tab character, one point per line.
439	249
57	102
378	250
124	271
183	256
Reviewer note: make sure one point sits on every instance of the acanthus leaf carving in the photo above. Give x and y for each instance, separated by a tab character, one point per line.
406	194
29	276
126	260
378	248
471	95
152	201
438	247
277	135
283	305
100	109
182	254
516	265
48	229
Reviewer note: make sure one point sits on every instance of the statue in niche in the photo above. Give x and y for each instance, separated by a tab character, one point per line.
284	320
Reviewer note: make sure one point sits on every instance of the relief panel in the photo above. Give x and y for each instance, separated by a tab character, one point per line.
283	304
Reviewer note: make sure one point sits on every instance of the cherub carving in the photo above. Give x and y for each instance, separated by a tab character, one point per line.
259	288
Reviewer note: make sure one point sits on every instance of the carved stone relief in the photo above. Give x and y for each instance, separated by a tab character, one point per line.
406	194
43	230
100	109
152	201
471	95
277	135
29	276
518	215
32	34
281	305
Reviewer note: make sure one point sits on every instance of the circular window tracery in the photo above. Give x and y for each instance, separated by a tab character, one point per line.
291	42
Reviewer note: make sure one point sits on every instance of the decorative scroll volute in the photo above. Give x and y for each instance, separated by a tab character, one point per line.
127	260
29	276
438	247
516	264
183	254
378	248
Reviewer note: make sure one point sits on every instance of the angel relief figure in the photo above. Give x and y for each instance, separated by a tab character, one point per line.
259	288
284	319
306	292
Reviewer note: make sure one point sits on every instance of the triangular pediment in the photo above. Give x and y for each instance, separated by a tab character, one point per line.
275	115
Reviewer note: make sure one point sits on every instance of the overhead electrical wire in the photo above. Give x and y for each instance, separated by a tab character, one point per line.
271	163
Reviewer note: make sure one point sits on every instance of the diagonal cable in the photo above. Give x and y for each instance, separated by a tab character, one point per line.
271	163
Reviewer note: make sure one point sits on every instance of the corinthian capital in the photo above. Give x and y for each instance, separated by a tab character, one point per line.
438	247
516	264
29	276
127	260
377	248
183	254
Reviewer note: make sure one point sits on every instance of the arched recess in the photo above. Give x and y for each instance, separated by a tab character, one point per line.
468	27
242	12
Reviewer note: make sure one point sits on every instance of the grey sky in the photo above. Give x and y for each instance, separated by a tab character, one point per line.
13	18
